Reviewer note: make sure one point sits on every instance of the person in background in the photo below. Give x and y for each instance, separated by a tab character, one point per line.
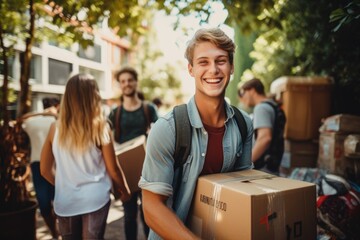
130	120
268	121
37	125
216	144
80	145
159	106
157	101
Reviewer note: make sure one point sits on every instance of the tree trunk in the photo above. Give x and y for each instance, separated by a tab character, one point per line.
25	93
5	88
242	60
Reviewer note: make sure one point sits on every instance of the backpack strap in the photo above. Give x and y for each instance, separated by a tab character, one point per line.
117	122
147	115
240	120
183	135
183	132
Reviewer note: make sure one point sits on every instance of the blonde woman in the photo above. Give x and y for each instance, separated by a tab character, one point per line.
80	145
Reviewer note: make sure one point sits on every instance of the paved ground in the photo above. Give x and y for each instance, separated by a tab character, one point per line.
114	228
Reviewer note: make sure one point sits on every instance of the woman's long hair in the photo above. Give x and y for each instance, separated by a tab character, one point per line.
81	122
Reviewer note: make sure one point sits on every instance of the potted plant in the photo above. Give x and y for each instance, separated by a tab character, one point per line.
17	210
16	206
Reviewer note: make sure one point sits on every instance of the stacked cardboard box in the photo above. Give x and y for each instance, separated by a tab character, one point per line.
333	133
341	123
306	100
352	146
299	154
331	152
352	157
253	205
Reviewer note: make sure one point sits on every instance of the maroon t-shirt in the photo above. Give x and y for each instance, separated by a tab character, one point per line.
214	155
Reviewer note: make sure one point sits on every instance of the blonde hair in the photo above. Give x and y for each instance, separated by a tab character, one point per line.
81	122
214	35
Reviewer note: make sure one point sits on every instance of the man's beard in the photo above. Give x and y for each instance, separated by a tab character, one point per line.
130	94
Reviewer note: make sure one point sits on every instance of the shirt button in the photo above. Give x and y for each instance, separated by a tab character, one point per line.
203	154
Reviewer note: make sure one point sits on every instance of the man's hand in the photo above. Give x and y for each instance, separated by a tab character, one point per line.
124	196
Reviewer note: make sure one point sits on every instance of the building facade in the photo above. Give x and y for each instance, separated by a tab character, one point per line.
51	66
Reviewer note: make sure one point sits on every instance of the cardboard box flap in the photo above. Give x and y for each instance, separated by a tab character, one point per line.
341	123
252	182
126	146
239	176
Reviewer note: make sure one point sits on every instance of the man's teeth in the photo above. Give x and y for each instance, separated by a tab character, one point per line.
212	80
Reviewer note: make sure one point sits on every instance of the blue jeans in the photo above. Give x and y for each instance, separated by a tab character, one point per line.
45	191
85	226
131	212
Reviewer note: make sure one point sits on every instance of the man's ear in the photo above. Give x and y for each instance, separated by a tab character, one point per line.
190	69
232	69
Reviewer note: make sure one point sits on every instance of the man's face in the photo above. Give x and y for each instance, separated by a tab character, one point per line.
128	84
246	98
211	70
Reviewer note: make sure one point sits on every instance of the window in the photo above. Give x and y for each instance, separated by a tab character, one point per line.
98	75
91	53
125	57
10	67
116	55
59	72
35	69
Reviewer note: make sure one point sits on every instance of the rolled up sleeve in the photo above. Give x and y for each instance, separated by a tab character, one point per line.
158	169
156	187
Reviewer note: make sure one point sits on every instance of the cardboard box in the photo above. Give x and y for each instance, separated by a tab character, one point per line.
352	146
130	158
306	101
341	123
331	152
253	205
300	154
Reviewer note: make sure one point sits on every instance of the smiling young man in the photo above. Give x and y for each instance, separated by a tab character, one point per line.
216	144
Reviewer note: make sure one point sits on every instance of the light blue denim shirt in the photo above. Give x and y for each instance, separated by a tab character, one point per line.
158	169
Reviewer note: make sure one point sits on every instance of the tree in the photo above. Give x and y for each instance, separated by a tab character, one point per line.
76	21
297	41
160	79
299	38
11	24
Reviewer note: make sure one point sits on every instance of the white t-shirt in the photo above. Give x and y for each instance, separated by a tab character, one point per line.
37	127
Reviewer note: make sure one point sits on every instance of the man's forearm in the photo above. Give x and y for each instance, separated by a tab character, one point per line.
259	148
163	220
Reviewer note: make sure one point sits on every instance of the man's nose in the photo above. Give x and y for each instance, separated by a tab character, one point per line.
214	68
